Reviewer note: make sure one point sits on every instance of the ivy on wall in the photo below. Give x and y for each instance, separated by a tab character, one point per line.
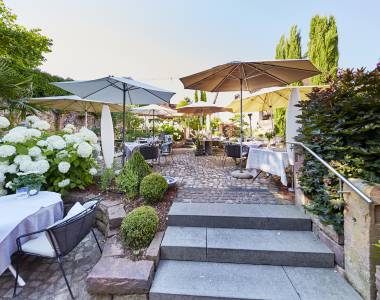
342	125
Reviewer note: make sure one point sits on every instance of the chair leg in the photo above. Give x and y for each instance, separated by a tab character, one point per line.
64	276
17	271
224	160
96	239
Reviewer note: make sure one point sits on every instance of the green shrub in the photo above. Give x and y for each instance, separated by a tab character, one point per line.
153	187
106	179
139	226
129	179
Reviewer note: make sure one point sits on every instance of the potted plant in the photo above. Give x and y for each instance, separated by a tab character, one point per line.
269	135
28	183
199	148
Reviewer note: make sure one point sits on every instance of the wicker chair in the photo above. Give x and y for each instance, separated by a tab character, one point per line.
149	152
59	239
233	151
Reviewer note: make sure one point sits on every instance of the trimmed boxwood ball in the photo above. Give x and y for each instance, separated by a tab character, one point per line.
153	187
139	226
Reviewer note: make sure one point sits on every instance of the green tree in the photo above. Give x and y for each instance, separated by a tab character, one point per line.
196	97
281	48
203	96
323	47
24	47
293	49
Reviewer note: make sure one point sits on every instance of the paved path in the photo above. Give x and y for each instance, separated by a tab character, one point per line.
203	179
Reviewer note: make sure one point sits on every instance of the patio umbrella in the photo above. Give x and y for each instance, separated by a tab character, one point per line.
75	103
116	90
154	110
268	99
249	76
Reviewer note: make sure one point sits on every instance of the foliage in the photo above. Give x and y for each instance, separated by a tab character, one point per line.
342	125
183	102
279	119
106	179
24	47
132	123
203	96
290	48
196	97
170	129
64	159
323	47
41	86
30	180
215	123
139	226
235	119
153	187
134	170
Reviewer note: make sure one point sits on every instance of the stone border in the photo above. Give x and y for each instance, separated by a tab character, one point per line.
115	275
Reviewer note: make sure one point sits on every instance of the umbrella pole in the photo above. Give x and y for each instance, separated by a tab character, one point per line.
153	125
241	125
85	119
124	121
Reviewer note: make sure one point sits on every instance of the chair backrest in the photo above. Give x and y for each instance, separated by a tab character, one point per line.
232	150
166	148
149	151
67	235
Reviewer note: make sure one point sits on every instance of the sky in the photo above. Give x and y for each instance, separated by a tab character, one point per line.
159	41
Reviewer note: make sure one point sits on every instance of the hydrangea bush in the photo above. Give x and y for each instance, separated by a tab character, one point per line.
64	158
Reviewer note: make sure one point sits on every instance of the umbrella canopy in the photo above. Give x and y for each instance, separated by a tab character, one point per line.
154	110
201	108
116	90
267	99
249	76
75	103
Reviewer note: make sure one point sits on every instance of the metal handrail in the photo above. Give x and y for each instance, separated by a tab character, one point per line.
340	176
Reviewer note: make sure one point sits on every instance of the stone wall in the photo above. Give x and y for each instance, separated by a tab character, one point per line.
361	231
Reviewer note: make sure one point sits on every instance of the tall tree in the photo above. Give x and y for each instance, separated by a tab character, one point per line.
196	97
203	96
281	48
323	47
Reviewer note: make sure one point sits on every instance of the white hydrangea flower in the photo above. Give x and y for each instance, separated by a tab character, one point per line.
3	192
32	132
84	149
69	128
97	147
72	138
34	151
38	167
56	142
87	135
4	165
12	169
62	154
9	184
41	125
31	120
42	166
2	177
64	183
40	157
42	143
16	135
4	123
64	167
21	158
93	171
7	150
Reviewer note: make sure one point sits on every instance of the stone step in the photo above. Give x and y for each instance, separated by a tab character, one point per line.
177	280
248	216
248	246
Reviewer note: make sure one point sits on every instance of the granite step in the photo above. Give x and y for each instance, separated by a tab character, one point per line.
185	280
240	216
247	246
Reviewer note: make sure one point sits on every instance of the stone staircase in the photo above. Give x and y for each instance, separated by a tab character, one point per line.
244	251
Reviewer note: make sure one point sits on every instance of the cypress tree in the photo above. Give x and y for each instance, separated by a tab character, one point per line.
294	43
203	96
196	98
323	47
281	48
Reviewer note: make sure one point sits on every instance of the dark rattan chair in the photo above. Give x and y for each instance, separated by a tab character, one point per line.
233	151
58	240
149	152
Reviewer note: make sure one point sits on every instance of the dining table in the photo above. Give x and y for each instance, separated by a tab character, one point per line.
271	161
21	214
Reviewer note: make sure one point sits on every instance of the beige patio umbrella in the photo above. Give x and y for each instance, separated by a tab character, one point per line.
75	103
249	76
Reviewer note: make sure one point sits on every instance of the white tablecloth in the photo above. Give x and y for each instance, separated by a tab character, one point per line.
24	215
270	161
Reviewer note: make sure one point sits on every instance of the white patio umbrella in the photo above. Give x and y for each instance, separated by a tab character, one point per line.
154	110
75	103
117	90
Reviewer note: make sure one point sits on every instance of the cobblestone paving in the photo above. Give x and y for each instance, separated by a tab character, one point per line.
44	279
203	179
